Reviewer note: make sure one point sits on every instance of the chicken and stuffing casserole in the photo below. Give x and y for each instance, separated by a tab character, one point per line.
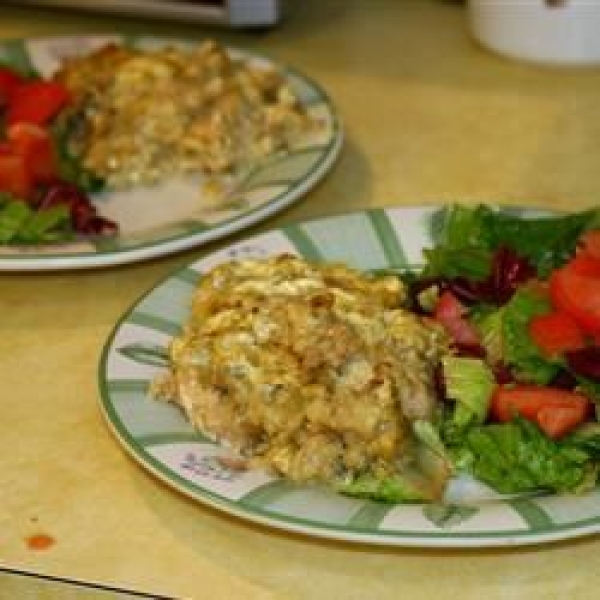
314	371
140	116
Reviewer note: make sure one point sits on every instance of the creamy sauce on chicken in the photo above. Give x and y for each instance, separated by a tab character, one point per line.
313	371
141	116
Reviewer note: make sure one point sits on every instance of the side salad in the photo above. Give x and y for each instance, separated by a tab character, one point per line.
43	189
520	298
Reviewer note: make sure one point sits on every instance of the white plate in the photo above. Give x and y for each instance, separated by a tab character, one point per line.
159	220
160	439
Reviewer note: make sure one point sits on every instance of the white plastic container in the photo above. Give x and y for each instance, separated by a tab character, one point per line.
548	31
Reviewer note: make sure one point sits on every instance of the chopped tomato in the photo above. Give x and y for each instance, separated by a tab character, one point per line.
557	412
585	264
14	175
36	146
451	314
590	243
36	102
555	333
9	81
511	400
556	421
578	295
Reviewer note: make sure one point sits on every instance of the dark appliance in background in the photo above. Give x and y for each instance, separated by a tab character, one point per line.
230	13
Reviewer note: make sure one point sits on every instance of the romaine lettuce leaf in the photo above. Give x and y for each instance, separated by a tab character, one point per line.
70	166
465	236
547	242
472	262
48	225
458	225
517	457
19	224
590	388
488	322
470	383
422	472
393	489
427	434
13	215
519	350
587	437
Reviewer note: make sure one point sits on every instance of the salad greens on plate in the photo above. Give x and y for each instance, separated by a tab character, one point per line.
44	188
520	298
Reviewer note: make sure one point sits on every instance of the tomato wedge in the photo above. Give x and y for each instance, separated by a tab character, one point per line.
14	175
578	295
557	412
451	314
27	159
9	81
584	263
35	145
557	421
36	102
590	243
555	333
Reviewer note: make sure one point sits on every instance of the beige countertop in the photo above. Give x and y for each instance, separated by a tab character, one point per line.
429	117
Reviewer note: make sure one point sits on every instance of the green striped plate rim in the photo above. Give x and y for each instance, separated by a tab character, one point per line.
160	220
159	438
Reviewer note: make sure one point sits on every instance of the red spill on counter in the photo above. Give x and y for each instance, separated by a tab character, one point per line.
40	541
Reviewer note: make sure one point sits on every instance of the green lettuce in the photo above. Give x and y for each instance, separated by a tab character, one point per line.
489	323
590	388
470	383
458	250
70	166
20	224
519	350
421	475
393	489
587	438
465	238
517	457
13	215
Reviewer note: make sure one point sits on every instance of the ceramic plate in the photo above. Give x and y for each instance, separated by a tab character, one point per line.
162	219
157	435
